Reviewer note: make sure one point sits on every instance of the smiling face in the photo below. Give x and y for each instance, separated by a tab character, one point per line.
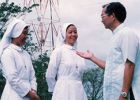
71	35
20	41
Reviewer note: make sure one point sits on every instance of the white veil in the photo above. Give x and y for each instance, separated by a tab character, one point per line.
14	29
62	36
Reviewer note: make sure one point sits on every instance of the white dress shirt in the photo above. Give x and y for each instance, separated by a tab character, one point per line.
125	45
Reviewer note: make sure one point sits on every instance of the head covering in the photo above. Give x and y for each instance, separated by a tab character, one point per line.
13	30
62	36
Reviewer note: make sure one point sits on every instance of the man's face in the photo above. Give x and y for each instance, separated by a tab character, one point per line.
71	35
107	20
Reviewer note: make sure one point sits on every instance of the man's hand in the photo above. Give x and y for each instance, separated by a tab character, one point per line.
86	55
90	56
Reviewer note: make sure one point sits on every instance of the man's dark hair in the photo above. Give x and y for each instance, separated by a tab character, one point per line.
117	9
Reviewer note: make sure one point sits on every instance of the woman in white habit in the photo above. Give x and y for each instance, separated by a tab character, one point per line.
16	63
66	68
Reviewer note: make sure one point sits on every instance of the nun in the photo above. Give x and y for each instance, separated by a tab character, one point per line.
16	64
66	68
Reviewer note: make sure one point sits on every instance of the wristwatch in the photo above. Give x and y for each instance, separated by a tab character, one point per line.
124	94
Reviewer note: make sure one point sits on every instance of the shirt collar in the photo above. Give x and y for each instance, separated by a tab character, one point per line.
118	28
69	47
16	47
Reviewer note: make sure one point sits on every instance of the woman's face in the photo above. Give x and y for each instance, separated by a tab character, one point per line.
71	35
20	41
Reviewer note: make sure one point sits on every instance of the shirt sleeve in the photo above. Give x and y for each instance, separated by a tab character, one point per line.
52	69
33	79
129	46
33	82
11	73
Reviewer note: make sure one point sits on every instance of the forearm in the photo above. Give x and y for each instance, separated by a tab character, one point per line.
128	76
99	62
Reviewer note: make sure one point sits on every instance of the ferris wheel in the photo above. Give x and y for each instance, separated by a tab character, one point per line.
44	20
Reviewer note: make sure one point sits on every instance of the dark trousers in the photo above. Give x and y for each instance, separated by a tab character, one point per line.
131	94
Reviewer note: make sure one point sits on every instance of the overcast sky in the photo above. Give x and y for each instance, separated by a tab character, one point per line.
85	14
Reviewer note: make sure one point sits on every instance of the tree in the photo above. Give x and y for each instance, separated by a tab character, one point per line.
8	11
2	82
93	81
40	66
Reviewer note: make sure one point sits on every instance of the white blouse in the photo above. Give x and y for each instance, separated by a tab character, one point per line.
64	62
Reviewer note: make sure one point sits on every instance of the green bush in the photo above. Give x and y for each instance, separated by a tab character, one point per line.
40	66
93	83
2	83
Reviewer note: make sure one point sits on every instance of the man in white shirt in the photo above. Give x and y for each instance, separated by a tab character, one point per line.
121	66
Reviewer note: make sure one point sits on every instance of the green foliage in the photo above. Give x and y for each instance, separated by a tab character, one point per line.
29	9
8	11
40	66
93	81
2	83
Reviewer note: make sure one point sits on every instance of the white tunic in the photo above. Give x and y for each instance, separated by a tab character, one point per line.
68	67
125	45
19	73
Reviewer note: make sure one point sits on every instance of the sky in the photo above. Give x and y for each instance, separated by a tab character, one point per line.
86	15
